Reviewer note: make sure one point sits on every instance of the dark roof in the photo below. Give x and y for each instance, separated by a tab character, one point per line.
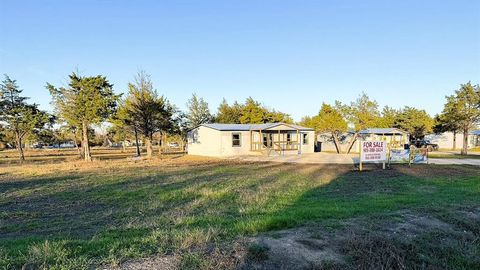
475	132
382	131
247	127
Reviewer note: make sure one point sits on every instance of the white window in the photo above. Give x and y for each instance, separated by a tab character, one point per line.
236	139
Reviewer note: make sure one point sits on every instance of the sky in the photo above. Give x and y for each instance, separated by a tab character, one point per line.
290	55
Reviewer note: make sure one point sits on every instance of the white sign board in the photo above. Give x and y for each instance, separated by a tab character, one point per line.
373	151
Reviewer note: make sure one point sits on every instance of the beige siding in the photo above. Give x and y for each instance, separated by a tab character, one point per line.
226	148
203	141
309	147
206	141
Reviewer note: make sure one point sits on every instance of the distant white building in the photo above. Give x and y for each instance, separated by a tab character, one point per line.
222	140
445	140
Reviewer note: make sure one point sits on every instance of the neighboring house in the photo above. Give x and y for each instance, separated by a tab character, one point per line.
221	140
474	139
445	139
395	137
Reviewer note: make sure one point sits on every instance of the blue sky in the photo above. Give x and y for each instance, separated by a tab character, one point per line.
291	55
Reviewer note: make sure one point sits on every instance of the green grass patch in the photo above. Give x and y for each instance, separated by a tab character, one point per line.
73	220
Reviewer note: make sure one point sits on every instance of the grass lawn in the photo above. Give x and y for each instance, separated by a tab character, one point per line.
72	215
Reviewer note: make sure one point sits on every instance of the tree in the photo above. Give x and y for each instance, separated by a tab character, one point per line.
147	111
330	120
251	112
389	115
229	114
415	121
361	114
123	121
18	116
198	112
463	107
84	102
447	122
308	121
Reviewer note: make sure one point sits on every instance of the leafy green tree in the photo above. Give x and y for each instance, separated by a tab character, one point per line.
274	116
18	116
361	114
251	112
389	115
123	122
198	112
463	107
330	120
447	122
415	121
229	114
147	111
84	102
307	121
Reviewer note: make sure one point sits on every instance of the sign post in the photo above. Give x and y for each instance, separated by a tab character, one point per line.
360	167
372	151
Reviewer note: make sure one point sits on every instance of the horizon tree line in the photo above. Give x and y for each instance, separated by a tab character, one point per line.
145	115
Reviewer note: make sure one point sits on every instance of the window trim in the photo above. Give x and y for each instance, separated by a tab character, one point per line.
239	139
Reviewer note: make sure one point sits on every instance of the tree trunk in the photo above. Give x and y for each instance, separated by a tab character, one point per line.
123	146
337	142
18	139
80	152
136	140
148	145
454	140
160	144
465	141
350	145
86	146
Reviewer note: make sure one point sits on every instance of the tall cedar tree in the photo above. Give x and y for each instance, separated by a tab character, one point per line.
84	102
463	107
415	121
18	116
229	114
147	111
447	122
198	112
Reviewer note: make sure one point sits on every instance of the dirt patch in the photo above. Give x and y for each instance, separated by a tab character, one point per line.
164	263
294	249
413	225
402	240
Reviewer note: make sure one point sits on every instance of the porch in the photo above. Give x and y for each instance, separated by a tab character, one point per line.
278	140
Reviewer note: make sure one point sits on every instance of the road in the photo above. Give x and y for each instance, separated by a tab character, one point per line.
332	158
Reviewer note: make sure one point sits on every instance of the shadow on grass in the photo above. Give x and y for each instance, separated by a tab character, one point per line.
136	216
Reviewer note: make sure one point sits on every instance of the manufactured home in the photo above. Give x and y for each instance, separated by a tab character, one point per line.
223	140
396	138
447	140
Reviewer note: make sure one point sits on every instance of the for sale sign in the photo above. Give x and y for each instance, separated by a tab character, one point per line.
373	151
